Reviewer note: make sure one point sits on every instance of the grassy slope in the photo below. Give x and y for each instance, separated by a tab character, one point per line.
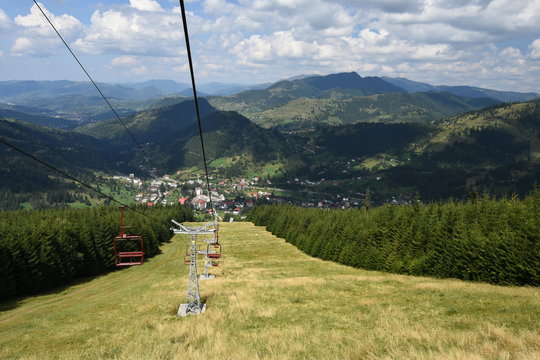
394	107
272	301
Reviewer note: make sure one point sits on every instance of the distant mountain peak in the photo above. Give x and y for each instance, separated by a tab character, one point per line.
345	81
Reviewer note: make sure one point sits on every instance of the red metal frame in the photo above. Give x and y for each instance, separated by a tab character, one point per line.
125	257
214	251
187	256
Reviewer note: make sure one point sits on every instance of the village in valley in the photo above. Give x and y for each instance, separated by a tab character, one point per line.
231	198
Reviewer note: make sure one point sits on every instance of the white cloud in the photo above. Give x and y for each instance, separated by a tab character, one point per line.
501	19
131	31
22	44
145	5
218	7
443	41
534	50
35	36
4	20
391	6
125	60
255	48
36	24
141	70
432	52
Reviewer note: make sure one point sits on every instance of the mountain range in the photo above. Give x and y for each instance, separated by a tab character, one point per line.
360	131
267	104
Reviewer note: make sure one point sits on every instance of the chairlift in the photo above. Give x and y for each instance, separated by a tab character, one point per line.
214	250
187	256
128	249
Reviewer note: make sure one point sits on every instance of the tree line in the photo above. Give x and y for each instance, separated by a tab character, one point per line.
42	249
483	239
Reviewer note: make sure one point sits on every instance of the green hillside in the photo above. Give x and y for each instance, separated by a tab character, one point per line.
269	300
171	136
395	107
495	149
27	183
343	99
84	109
229	135
22	91
312	87
35	116
464	91
150	125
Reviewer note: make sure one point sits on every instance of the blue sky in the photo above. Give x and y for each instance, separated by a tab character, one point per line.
487	43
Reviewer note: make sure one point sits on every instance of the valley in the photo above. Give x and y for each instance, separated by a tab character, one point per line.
269	180
319	140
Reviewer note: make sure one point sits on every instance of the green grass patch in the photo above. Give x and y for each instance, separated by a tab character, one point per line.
269	300
221	162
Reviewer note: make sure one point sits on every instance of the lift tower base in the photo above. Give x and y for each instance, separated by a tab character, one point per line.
184	310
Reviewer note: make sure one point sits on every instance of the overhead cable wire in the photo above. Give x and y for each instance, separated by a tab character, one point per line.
139	146
44	163
28	133
196	101
65	174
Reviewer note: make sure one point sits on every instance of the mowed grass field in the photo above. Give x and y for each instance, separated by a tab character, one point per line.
271	301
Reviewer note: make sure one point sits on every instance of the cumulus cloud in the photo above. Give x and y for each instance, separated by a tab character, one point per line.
534	50
391	6
125	60
4	20
35	35
495	19
145	5
439	41
36	24
218	7
132	31
22	44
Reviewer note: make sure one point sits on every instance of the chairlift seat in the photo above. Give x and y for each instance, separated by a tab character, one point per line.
128	249
214	251
124	253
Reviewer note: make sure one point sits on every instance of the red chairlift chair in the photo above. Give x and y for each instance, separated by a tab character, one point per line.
187	256
214	250
128	249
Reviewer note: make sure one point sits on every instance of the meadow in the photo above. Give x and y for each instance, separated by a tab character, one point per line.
272	301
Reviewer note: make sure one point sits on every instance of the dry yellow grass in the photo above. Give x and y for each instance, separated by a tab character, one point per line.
271	301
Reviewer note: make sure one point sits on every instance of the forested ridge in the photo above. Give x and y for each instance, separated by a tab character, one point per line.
41	249
484	239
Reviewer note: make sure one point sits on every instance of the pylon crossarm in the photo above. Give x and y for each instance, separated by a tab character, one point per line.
191	232
207	225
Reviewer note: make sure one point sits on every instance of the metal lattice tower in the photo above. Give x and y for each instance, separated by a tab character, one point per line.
193	305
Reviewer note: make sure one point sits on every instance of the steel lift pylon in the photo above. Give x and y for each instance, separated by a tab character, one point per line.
193	305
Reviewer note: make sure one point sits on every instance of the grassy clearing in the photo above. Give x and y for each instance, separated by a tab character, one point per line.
268	170
222	162
272	301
